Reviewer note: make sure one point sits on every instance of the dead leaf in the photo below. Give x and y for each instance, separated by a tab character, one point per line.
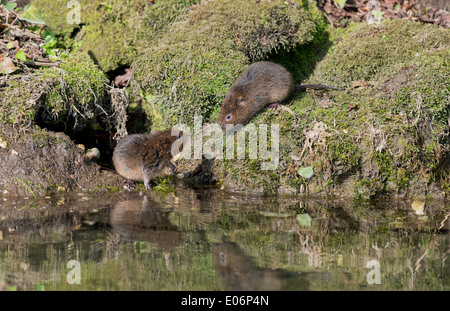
359	83
7	66
351	107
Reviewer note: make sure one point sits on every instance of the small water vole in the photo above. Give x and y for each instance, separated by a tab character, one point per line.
260	85
144	156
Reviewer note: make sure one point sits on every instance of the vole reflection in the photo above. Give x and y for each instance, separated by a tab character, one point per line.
144	220
238	272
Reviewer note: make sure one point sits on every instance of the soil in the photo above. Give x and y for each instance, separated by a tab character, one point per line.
40	162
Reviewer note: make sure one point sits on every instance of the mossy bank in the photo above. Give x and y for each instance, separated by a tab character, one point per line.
386	135
112	32
38	110
189	69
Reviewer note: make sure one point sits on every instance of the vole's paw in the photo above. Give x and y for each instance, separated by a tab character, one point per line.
274	106
128	184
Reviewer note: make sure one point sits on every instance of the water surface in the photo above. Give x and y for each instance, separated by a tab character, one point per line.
209	240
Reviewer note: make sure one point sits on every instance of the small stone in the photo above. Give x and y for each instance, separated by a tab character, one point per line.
93	154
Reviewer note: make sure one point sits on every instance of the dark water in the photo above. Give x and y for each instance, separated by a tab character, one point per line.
208	240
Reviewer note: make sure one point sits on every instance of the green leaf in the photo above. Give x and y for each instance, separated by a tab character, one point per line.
304	220
51	52
50	39
9	5
31	14
10	45
306	172
21	56
340	3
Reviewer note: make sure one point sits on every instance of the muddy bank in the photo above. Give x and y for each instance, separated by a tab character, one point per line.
37	162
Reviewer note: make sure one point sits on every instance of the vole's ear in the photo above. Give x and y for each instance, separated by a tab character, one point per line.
240	101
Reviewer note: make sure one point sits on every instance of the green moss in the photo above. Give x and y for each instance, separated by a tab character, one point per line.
76	89
189	70
108	30
343	150
107	188
302	59
162	14
372	52
377	140
112	32
165	185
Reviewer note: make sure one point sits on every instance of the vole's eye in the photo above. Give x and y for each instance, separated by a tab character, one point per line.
228	117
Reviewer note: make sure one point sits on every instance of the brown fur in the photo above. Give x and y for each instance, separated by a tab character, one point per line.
261	84
142	157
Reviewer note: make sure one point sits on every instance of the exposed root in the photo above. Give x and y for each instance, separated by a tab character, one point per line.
119	104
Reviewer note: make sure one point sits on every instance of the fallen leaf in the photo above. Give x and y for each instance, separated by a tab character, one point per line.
304	220
306	172
7	66
340	3
10	45
351	107
32	14
359	83
21	56
9	5
325	103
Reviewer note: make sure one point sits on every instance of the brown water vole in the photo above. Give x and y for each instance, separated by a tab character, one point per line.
260	85
144	156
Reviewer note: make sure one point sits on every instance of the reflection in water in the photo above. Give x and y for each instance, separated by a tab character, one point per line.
238	272
206	240
144	220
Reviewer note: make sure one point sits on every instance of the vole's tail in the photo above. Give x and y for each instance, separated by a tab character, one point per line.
316	86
